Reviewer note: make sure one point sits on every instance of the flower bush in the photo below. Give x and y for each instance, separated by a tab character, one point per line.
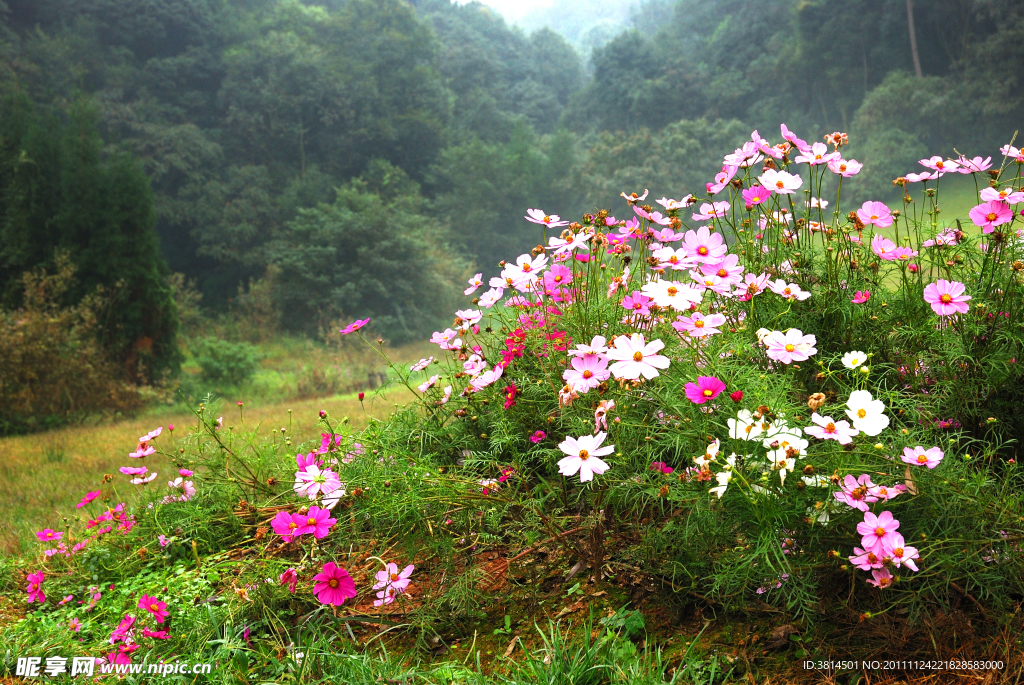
756	398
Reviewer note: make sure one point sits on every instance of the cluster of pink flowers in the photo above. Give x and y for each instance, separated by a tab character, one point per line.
881	548
316	522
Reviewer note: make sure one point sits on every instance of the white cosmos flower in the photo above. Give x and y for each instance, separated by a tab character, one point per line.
635	357
583	456
852	360
672	294
723	477
744	426
866	414
704	461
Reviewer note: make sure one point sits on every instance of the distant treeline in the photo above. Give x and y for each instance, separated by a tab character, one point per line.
363	156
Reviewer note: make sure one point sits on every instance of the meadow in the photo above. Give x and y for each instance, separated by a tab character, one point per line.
708	442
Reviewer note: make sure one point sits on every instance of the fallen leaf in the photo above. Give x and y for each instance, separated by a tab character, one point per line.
780	637
908	480
511	646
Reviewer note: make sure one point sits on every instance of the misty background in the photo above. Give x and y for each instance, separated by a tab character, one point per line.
319	160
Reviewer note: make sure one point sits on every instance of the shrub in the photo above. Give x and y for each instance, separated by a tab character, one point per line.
53	370
225	362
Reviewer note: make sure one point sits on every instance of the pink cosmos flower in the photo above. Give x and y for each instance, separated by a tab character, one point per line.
670	205
857	492
827	428
142	480
354	326
587	373
556	278
845	168
883	247
781	182
474	284
290	579
947	237
711	211
510	393
703	245
919	456
428	384
538	436
975	165
46	535
789	291
162	540
925	176
677	260
881	578
753	284
791	137
447	340
902	254
634	357
755	195
487	378
75	625
903	554
35	587
318	522
598	346
941	166
666	235
988	215
704	390
538	216
1009	195
314	481
699	326
391	583
333	585
133	470
285	525
875	214
155	607
155	634
947	297
728	268
583	453
791	346
722	179
661	467
123	629
860	297
637	303
89	497
188	490
878	532
122	657
866	560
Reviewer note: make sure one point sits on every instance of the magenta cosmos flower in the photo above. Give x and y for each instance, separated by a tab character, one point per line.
920	456
878	532
634	357
826	428
791	346
538	436
875	214
699	326
988	215
333	585
755	195
637	303
861	296
587	372
661	467
704	390
285	525
47	534
947	297
583	453
154	606
290	579
35	587
354	326
89	497
318	522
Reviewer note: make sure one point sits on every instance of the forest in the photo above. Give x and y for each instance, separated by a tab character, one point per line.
308	150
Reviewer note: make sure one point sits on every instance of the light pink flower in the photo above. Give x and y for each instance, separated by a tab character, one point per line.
988	215
941	166
845	167
947	297
587	372
865	560
791	137
880	578
975	165
728	268
704	390
875	214
828	429
790	291
677	259
704	246
711	211
598	346
883	247
817	154
878	532
947	237
634	357
583	456
699	326
1009	195
791	346
919	456
391	582
857	492
333	585
314	481
903	554
538	216
781	182
188	490
474	284
925	176
428	384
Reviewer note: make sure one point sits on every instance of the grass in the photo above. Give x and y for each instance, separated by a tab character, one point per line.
43	476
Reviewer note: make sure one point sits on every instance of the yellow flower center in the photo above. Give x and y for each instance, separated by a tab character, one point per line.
673	260
394	577
311	521
584	455
922	459
880	532
861	413
638	356
874	216
780	185
333	583
698	324
722	273
842	167
672	291
292	525
154	607
790	347
708	393
991	216
946	299
587	374
872	557
830	428
702	250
